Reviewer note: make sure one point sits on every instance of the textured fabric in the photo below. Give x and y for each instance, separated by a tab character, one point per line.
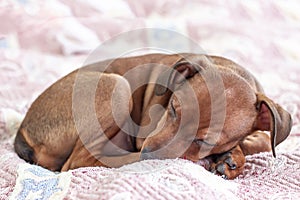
38	183
40	41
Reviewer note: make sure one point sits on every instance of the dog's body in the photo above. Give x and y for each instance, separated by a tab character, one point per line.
107	114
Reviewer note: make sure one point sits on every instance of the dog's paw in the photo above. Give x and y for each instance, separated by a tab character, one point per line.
228	165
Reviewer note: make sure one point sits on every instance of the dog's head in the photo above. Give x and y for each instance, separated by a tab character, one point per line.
212	108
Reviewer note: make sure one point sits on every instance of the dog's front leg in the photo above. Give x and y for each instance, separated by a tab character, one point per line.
256	142
229	164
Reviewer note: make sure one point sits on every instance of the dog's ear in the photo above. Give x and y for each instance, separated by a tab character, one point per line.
272	117
175	75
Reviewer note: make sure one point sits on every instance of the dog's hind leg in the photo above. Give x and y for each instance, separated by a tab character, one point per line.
84	156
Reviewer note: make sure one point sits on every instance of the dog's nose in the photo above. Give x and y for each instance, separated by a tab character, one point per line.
147	154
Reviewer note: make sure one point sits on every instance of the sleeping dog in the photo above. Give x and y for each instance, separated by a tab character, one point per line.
154	106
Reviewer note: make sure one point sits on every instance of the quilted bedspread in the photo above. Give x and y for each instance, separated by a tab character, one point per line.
40	41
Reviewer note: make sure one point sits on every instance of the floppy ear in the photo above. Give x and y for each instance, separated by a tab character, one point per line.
171	77
272	117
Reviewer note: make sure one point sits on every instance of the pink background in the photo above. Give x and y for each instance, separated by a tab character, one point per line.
41	41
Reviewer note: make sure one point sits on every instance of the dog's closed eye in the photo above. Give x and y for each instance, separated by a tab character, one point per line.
201	142
172	110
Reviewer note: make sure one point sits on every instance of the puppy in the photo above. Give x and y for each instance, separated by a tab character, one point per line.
153	106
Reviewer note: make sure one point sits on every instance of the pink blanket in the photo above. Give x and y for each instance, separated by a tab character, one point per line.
41	41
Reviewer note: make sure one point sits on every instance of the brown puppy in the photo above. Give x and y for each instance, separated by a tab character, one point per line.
153	106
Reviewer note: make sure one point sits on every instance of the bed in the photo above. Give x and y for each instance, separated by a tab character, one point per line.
40	41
